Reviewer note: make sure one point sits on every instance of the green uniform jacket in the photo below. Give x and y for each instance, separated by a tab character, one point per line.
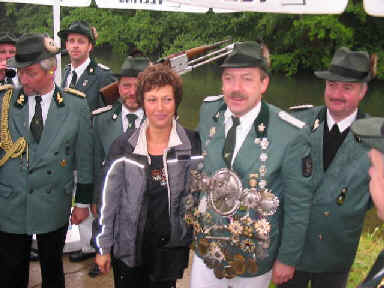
95	77
281	172
320	235
36	189
107	126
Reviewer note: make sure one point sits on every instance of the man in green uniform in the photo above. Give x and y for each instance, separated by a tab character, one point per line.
248	164
7	51
322	225
85	75
46	134
113	120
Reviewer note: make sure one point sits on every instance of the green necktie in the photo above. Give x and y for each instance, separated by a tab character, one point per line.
73	80
131	120
230	142
37	120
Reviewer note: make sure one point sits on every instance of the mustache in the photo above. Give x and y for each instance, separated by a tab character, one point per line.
337	100
236	95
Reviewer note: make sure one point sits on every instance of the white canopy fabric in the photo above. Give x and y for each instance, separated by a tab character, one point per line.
274	6
374	7
69	3
159	5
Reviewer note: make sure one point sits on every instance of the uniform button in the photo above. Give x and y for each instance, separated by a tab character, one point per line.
56	153
320	237
326	213
30	171
31	191
49	172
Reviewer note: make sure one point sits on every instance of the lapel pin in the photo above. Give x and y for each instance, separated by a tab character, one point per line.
212	131
316	124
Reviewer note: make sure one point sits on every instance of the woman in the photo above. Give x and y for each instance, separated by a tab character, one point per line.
142	211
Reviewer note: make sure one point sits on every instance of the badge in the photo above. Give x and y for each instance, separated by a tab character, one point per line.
307	166
263	157
264	144
212	131
63	163
316	124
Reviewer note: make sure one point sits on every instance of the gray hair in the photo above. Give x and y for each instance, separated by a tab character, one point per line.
49	63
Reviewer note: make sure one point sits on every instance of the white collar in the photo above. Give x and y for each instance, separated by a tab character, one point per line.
80	70
138	112
245	119
141	147
343	124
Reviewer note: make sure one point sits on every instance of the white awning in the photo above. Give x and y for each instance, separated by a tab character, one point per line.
273	6
374	7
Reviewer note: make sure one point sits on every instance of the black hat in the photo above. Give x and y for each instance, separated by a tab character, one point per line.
348	66
31	49
370	131
7	38
80	27
132	66
248	54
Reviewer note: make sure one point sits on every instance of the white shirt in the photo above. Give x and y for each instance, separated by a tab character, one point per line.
246	123
46	100
79	71
125	111
343	124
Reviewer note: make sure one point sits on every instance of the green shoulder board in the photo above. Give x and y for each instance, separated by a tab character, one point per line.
6	87
213	98
75	92
300	107
103	66
291	120
101	110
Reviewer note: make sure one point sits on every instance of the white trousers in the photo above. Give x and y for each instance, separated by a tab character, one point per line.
85	227
203	277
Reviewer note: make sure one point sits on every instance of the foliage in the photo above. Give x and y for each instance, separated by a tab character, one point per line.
297	42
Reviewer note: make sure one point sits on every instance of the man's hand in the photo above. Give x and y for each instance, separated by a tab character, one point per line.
104	262
376	185
79	215
281	272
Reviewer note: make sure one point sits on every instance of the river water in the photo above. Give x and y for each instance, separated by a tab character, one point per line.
282	92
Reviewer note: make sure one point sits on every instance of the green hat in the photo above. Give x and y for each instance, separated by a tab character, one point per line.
348	66
7	38
80	27
132	66
370	131
31	49
247	54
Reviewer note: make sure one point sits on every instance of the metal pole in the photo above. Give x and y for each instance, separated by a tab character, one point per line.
56	28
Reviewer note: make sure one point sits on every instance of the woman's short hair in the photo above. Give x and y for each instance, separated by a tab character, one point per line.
157	76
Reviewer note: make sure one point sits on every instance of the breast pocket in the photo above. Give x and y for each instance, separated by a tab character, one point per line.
5	190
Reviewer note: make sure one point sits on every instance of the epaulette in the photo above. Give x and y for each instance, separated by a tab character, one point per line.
101	110
6	87
75	92
103	66
300	107
213	98
291	120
